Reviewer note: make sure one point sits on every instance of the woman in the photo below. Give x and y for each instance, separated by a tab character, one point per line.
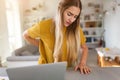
61	38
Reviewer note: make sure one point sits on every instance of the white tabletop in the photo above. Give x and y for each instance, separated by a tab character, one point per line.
111	52
109	73
96	74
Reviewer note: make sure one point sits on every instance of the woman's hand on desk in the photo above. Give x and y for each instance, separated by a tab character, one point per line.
83	69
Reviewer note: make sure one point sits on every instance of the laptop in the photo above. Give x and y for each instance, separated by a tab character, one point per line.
52	71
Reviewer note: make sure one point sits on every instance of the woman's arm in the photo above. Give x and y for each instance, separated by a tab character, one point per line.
84	69
29	39
84	54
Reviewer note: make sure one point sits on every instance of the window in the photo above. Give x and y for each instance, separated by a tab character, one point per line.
13	23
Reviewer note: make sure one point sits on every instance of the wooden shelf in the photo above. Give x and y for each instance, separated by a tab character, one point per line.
92	35
92	42
96	28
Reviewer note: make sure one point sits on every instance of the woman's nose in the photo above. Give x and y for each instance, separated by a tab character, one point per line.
72	19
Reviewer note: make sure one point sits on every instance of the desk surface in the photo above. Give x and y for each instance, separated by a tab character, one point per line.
111	73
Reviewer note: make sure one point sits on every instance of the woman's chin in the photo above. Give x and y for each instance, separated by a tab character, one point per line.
66	25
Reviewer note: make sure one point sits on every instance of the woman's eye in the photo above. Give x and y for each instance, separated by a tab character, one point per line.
75	17
68	14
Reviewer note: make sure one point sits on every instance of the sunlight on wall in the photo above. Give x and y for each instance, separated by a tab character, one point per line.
4	43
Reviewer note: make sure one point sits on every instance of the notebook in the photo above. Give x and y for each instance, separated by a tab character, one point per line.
52	71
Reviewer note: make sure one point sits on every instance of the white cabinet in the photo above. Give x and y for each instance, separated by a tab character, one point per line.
93	32
94	36
91	21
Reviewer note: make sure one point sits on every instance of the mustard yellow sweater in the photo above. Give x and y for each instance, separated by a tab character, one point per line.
45	31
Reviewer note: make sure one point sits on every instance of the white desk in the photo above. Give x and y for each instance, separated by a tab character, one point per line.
109	73
111	53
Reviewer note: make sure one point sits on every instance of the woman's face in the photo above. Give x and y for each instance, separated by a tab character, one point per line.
70	15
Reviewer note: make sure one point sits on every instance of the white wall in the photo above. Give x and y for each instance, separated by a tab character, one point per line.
112	26
4	43
47	10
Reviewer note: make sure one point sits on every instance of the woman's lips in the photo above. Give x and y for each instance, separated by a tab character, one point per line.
68	23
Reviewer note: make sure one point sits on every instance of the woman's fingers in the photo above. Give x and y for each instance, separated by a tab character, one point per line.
86	70
83	69
76	68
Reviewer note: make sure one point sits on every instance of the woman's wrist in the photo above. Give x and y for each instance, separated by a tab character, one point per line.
82	63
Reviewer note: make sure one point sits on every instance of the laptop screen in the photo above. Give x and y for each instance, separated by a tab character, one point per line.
52	71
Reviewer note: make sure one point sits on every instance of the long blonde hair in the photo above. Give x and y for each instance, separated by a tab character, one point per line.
72	31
